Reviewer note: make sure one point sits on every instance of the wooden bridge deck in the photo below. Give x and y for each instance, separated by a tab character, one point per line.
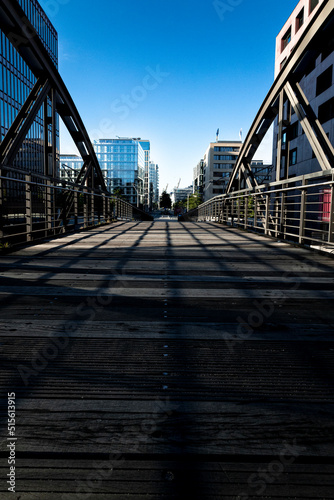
168	360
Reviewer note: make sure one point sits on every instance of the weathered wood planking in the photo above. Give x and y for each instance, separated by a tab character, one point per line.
164	369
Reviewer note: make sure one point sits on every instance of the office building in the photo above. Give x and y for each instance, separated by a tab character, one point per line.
262	172
122	162
16	82
317	84
198	178
181	194
151	178
217	165
70	166
153	185
146	145
293	30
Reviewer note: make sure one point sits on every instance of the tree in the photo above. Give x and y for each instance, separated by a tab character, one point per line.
119	192
194	200
165	201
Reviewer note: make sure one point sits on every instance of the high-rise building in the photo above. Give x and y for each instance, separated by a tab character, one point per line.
16	82
262	172
293	30
217	165
122	162
198	178
317	84
153	185
146	145
70	166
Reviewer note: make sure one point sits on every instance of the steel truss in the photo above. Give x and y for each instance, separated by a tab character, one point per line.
318	34
50	88
300	209
35	206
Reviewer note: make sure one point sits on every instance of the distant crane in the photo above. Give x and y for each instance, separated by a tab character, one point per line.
179	184
166	188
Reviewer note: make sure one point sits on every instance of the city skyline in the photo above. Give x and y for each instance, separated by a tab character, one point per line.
173	75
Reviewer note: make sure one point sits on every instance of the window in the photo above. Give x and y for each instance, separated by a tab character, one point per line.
286	39
294	131
283	62
284	138
313	4
300	20
327	50
326	111
226	149
224	157
293	157
325	80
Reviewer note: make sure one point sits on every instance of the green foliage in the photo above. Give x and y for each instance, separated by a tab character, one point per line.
194	201
119	192
251	206
5	246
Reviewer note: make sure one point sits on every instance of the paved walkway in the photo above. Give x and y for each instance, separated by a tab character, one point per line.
168	360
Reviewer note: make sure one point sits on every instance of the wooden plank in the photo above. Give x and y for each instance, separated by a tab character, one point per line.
82	291
213	392
285	331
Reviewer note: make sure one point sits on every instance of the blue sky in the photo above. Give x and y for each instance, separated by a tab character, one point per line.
171	72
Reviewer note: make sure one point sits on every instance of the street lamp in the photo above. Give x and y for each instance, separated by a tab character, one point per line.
137	191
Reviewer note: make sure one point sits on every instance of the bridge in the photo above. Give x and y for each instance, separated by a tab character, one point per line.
153	358
163	358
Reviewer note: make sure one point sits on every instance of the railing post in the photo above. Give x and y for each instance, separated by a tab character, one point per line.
255	212
239	211
302	214
283	214
104	207
276	215
331	218
92	208
28	207
221	212
85	206
75	206
266	224
48	208
246	213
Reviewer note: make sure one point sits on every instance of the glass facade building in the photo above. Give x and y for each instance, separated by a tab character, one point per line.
122	162
146	145
153	182
16	82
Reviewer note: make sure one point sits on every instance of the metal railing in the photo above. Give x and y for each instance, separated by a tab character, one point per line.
299	209
34	206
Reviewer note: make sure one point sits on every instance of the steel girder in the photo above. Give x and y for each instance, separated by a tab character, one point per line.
21	33
318	34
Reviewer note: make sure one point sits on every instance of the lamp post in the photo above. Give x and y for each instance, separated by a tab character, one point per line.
137	191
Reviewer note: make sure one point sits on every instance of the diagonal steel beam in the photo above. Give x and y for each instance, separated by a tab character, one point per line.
22	34
19	129
316	135
312	38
